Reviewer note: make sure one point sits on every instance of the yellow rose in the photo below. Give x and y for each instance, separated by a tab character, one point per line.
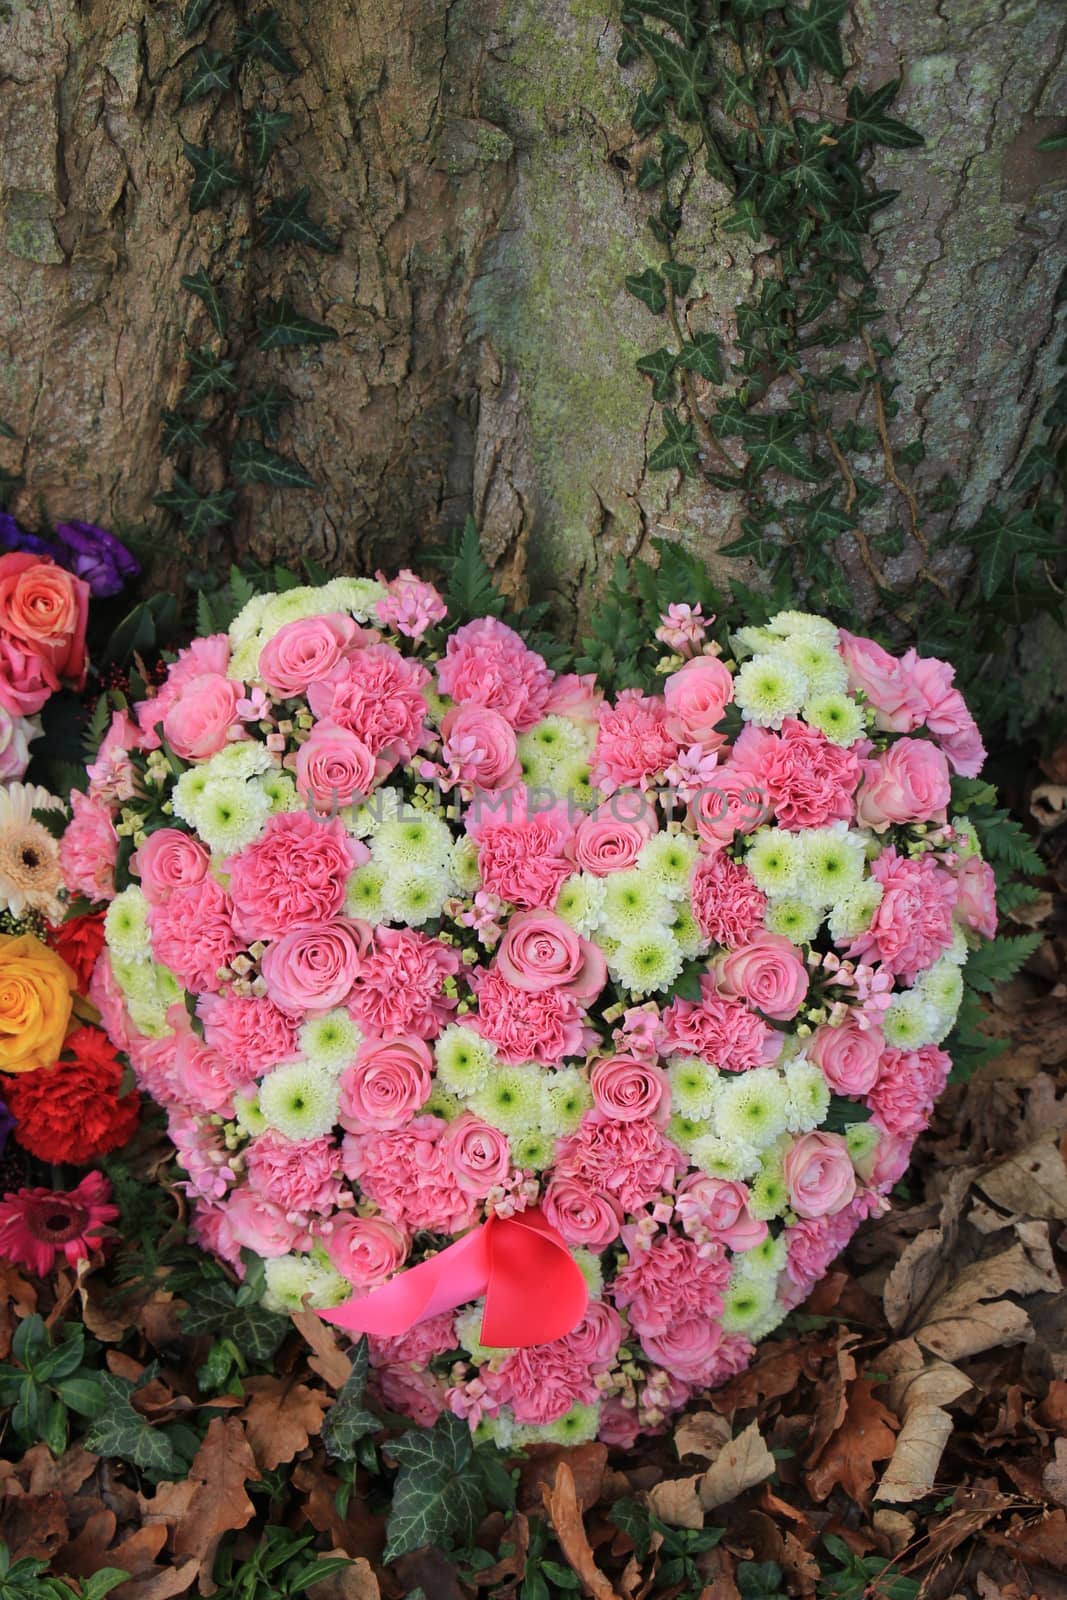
36	999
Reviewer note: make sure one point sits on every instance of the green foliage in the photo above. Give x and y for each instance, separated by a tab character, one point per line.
217	1309
287	220
47	1379
348	1422
678	1549
120	1430
282	1565
26	1580
443	1489
863	1577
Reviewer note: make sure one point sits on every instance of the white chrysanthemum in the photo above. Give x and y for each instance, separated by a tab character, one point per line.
804	625
231	814
245	758
668	860
532	1151
188	793
772	1318
281	791
566	1098
808	1096
293	1279
463	865
694	1087
747	1301
299	1100
646	963
573	778
387	804
723	1158
249	619
686	930
633	905
126	926
685	1131
773	858
248	1116
576	1426
142	979
592	1271
423	841
464	1060
793	919
469	1334
909	1021
512	1100
836	715
959	950
442	1103
331	1040
942	986
244	662
861	1141
357	596
414	895
832	863
823	669
554	745
149	1018
753	641
581	902
365	893
751	1107
768	1195
765	1260
768	689
853	915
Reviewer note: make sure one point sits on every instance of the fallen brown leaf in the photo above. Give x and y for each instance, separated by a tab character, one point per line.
327	1359
220	1503
18	1299
1032	1183
162	1584
677	1502
866	1435
33	1524
701	1435
918	1390
280	1418
740	1465
561	1504
1054	1477
356	1582
585	1462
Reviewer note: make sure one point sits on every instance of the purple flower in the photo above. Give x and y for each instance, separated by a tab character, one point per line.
12	537
96	556
7	1122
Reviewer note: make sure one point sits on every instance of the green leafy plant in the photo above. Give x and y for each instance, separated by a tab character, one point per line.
444	1487
26	1580
280	1566
863	1577
678	1548
47	1379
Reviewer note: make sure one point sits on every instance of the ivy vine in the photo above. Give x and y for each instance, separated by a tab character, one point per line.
227	423
792	418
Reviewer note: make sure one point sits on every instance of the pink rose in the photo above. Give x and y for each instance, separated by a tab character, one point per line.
388	1082
882	678
976	905
334	767
480	748
16	735
909	782
196	724
768	973
687	1349
365	1250
478	1156
581	1216
575	697
261	1225
714	1208
611	838
540	951
24	679
847	1056
168	860
697	695
627	1089
304	651
732	802
313	969
597	1337
43	611
819	1175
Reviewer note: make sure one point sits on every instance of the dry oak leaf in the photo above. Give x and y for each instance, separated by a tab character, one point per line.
356	1582
33	1524
561	1503
18	1299
701	1435
677	1502
1036	1541
328	1360
220	1502
866	1435
971	1316
585	1462
280	1419
1032	1183
740	1465
162	1583
918	1390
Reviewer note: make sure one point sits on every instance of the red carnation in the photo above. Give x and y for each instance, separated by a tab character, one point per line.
72	1112
79	941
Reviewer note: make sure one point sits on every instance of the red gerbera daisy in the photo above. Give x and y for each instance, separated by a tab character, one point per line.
37	1224
72	1112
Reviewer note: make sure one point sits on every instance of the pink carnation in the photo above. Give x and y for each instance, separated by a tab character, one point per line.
400	986
908	1085
544	1026
406	1173
521	858
250	1031
542	1382
487	664
89	849
418	1347
633	745
812	1244
673	1279
720	1029
808	781
207	1080
376	693
976	904
411	606
912	924
192	934
293	875
634	1162
418	1395
726	902
299	1175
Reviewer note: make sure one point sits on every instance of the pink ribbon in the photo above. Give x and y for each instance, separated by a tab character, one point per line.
534	1289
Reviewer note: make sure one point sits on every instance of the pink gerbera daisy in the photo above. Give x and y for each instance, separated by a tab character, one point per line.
36	1225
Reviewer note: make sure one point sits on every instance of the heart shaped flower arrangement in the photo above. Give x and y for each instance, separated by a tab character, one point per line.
557	1042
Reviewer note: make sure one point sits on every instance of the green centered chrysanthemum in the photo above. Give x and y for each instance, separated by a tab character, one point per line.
464	1059
511	1100
767	689
126	926
331	1040
299	1100
647	963
567	1097
794	919
836	715
751	1107
694	1087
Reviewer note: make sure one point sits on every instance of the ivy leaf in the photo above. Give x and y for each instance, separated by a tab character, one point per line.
252	462
264	129
650	173
200	284
259	37
737	91
780	451
677	449
347	1422
704	357
209	372
998	537
195	12
1037	464
264	408
121	1431
288	220
811	37
813	174
212	175
438	1497
683	71
214	1309
280	325
677	14
1053	141
211	73
678	276
674	152
744	218
182	433
198	512
649	288
659	366
648	111
868	124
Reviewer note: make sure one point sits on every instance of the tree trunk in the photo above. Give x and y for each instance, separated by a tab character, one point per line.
475	160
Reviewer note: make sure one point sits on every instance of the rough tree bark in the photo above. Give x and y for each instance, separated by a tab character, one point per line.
476	161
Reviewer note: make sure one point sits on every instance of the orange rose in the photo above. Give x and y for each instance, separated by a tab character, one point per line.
43	611
36	999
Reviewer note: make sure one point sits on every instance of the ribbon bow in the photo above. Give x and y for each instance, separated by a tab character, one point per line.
534	1289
